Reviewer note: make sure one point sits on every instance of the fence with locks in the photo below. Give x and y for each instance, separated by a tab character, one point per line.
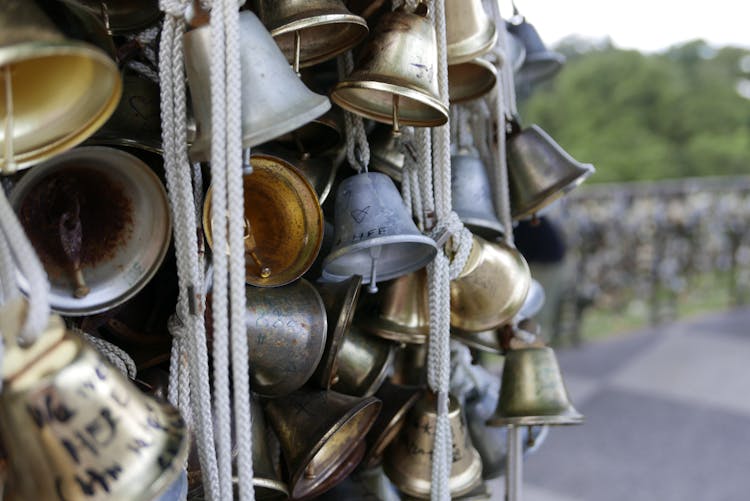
246	250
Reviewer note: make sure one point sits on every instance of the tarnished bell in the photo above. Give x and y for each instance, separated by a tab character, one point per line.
395	78
483	341
274	100
77	429
375	234
539	64
410	365
283	219
408	461
317	431
362	364
470	80
311	31
469	33
54	92
286	333
472	196
539	171
491	288
385	154
533	391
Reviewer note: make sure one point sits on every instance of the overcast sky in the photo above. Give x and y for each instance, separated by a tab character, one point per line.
647	25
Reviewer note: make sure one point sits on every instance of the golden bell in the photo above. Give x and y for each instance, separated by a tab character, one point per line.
487	341
340	299
469	33
123	16
540	171
319	171
284	222
77	429
470	80
397	402
55	92
401	312
408	461
395	78
491	288
385	153
317	431
533	391
410	365
311	31
362	363
274	100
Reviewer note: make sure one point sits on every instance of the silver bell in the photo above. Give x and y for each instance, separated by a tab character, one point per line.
472	197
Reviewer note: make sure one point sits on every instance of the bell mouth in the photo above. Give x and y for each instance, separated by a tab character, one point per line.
62	93
486	341
568	416
551	194
470	80
387	329
539	66
390	422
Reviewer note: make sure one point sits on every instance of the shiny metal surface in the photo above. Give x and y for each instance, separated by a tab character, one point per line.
132	259
534	301
539	64
410	365
123	16
472	196
540	171
491	288
326	27
362	364
398	62
274	99
469	32
470	80
285	219
61	90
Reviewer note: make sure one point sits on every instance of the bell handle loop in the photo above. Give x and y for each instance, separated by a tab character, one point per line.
9	164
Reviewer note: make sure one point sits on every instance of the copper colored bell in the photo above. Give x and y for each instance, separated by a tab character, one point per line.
284	222
470	80
375	235
385	153
77	429
472	196
533	391
469	32
540	171
362	363
317	431
340	301
311	31
408	461
491	288
395	78
123	16
539	64
487	341
274	100
55	92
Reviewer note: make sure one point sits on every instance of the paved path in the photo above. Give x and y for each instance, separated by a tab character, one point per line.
667	418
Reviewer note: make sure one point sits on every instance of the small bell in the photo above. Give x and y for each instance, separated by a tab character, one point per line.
469	32
472	196
362	364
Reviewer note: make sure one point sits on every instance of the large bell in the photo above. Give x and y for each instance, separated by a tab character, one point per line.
55	92
470	80
311	31
362	364
539	64
469	33
375	235
533	391
408	461
77	429
401	312
491	288
274	100
540	171
283	222
317	431
99	220
395	79
472	196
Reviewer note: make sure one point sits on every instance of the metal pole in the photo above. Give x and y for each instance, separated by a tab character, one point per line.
514	465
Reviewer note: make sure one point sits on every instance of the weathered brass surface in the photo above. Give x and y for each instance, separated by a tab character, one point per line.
319	171
470	80
123	16
410	365
533	391
285	218
60	91
362	364
469	32
385	153
491	288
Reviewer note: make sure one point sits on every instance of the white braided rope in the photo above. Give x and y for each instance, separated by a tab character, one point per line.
357	147
114	354
8	288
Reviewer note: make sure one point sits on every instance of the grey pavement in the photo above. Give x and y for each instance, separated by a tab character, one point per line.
667	417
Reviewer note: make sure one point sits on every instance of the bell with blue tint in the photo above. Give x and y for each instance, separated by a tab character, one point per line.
540	63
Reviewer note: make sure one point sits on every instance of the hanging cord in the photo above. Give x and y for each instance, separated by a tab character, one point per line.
357	148
114	354
188	327
146	40
8	288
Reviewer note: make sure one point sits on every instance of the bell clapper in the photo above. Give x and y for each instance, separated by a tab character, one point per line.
250	247
247	167
105	18
514	465
82	290
297	47
10	164
530	441
374	254
71	237
303	155
396	129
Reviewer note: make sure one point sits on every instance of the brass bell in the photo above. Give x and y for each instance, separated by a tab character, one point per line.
470	80
283	222
539	64
469	33
397	402
540	171
410	365
99	220
401	312
55	92
311	32
491	288
362	364
82	428
395	79
375	235
385	153
319	171
318	430
340	301
123	16
533	391
472	196
486	341
408	461
274	100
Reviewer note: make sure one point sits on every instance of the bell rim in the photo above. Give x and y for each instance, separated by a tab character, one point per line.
21	52
465	338
392	331
326	124
271	484
479	91
117	142
467	49
530	72
375	379
552	193
437	118
485	228
569	416
116	26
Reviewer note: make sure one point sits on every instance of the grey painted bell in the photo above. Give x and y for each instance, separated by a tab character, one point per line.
540	63
472	197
